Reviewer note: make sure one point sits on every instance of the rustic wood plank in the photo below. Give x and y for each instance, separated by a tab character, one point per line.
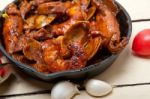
21	83
136	92
140	92
4	3
138	9
40	96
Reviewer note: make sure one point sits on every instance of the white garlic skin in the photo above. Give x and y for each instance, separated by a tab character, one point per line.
97	88
64	90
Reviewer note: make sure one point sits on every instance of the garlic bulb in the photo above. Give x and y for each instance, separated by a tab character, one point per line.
64	90
97	88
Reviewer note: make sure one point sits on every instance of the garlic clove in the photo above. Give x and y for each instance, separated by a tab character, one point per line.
64	90
97	88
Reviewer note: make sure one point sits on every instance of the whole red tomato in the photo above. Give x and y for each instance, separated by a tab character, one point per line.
141	43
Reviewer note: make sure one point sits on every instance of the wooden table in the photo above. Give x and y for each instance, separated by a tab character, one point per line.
129	73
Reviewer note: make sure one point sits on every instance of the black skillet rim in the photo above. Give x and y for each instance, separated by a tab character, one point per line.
70	72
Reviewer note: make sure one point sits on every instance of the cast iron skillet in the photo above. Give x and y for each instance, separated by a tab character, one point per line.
103	60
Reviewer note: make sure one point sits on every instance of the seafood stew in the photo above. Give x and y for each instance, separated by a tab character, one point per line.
60	35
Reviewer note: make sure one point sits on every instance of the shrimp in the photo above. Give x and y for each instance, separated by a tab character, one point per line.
73	10
53	58
71	51
13	28
108	26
